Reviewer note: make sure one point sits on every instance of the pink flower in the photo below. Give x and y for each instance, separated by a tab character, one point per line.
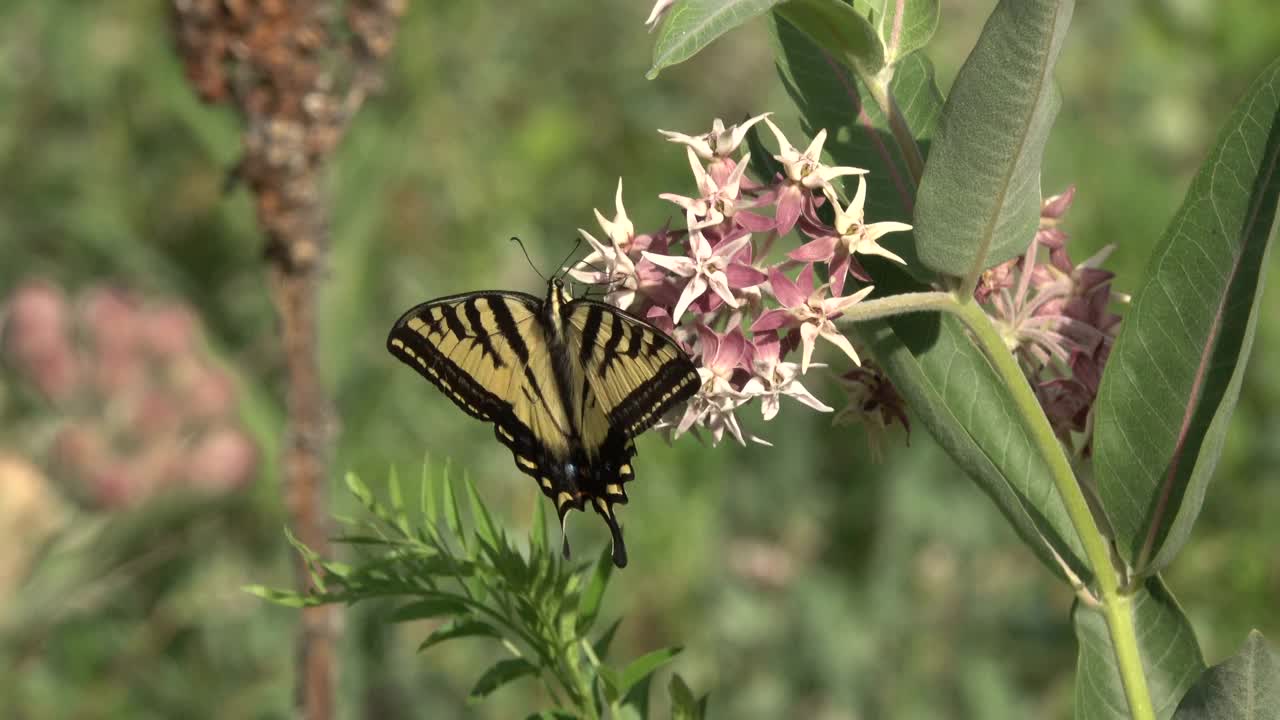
708	267
774	379
718	200
811	312
721	142
803	172
851	236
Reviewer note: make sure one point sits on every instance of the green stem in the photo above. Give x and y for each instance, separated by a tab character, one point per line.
1117	606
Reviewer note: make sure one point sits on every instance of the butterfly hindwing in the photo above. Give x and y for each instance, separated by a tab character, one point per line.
636	373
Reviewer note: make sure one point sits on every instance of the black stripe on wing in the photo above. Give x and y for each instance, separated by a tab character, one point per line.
419	353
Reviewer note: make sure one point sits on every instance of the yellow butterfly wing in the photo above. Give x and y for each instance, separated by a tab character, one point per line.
486	351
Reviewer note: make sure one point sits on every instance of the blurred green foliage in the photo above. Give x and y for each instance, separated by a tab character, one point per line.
802	580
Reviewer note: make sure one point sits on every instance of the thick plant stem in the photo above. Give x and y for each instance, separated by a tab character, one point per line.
276	63
1117	607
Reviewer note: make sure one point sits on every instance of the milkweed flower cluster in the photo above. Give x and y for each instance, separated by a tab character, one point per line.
139	406
709	286
1055	317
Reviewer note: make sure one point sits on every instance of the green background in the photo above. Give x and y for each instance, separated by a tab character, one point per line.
803	580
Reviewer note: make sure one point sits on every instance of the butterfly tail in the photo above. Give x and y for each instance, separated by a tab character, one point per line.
605	508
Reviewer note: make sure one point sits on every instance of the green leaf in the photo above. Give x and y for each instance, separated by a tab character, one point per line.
288	598
903	27
538	529
946	380
683	704
1245	687
1171	657
452	513
829	95
646	664
589	601
427	499
460	629
1174	375
361	492
429	608
638	697
397	502
839	30
691	25
552	715
979	201
953	390
502	672
611	683
485	529
601	645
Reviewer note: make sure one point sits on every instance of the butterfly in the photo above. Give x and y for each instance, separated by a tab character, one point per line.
567	383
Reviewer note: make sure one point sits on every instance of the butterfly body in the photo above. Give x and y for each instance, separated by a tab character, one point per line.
568	384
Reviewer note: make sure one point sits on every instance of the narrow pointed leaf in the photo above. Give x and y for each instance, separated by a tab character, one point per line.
593	593
1174	375
361	492
602	644
610	683
1244	687
485	529
683	705
397	502
427	499
502	672
552	715
538	529
646	664
460	629
945	378
839	30
829	95
1171	657
691	25
430	608
452	513
979	201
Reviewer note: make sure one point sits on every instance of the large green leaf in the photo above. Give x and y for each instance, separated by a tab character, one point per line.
1245	687
829	95
1173	378
691	25
1171	657
904	26
839	30
946	380
979	201
952	388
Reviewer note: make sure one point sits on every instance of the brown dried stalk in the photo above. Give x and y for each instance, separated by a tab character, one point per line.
296	85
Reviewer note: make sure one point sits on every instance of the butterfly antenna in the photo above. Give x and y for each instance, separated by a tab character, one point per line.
572	252
528	259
